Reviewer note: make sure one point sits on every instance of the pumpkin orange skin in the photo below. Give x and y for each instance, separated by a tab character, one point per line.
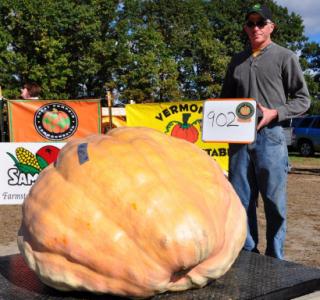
145	214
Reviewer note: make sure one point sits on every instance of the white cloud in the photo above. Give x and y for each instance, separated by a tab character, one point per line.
308	10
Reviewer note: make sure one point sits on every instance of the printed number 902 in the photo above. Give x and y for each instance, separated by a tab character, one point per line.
222	119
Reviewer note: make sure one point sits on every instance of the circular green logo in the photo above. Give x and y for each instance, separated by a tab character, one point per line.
245	110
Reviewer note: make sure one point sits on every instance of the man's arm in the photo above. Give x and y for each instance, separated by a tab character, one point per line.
296	89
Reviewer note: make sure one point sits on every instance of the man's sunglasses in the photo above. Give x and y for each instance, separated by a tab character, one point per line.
260	23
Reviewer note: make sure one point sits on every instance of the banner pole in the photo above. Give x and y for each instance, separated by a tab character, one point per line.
109	102
3	134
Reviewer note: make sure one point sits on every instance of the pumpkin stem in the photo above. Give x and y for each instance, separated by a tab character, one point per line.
54	110
185	119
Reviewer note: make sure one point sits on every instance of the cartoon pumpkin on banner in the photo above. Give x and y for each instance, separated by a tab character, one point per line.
56	121
184	130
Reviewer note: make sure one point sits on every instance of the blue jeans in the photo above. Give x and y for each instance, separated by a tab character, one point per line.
262	167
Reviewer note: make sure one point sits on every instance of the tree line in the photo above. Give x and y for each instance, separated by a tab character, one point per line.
146	51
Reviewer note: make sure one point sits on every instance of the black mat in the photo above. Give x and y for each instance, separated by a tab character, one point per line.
252	276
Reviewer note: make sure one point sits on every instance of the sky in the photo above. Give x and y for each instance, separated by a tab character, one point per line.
309	10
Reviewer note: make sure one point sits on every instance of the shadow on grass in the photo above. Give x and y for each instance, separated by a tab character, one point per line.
304	165
299	156
305	171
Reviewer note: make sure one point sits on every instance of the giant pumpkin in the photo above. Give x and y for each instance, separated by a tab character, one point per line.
134	213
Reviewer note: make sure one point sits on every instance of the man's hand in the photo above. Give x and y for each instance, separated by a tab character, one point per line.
268	115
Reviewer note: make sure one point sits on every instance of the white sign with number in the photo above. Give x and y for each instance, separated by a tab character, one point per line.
229	120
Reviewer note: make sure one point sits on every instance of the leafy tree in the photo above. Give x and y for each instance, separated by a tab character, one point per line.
311	52
310	57
151	75
151	50
7	59
186	29
36	49
58	43
145	68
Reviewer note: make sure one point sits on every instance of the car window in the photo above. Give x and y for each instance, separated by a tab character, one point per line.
292	122
295	121
305	122
316	123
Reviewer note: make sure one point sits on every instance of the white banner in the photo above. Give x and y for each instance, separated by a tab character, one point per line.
20	165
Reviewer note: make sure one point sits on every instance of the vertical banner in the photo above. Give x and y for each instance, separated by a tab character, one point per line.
179	119
21	164
53	120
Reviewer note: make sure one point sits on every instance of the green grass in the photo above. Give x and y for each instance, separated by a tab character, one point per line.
296	159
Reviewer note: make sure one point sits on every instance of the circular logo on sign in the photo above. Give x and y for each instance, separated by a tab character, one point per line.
245	110
55	121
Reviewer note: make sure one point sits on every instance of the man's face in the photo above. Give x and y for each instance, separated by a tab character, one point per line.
258	30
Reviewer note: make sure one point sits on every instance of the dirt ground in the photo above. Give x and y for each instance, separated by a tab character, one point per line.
303	234
303	225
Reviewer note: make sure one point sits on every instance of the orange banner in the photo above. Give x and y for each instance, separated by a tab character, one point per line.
53	120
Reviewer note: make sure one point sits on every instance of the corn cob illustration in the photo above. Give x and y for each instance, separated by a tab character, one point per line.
26	157
26	161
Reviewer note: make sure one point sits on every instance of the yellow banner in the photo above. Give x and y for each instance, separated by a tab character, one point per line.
179	119
53	120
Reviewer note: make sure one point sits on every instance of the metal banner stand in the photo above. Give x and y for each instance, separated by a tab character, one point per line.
109	102
3	134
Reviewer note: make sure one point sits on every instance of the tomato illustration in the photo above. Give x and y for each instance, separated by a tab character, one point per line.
48	153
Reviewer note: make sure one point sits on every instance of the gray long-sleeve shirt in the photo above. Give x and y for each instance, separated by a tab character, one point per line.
274	78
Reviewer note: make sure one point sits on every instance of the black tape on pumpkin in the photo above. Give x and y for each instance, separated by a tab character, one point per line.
83	153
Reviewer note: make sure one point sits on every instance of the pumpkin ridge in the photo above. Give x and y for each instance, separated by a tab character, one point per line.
238	232
141	246
153	257
132	143
125	229
141	151
70	257
66	285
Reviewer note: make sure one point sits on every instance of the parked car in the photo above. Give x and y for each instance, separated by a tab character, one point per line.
306	135
288	127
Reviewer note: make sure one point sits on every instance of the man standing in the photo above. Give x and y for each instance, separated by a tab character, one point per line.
272	75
